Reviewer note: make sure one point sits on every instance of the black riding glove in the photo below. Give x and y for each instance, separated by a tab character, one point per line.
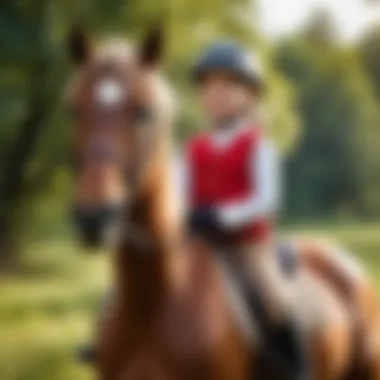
204	221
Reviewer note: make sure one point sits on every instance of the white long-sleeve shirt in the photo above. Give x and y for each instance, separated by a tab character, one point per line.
265	172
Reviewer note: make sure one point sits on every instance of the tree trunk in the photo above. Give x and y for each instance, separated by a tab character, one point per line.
11	190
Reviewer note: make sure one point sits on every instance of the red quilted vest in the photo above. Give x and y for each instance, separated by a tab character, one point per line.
221	175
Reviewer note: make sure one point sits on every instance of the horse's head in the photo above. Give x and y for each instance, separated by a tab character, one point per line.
120	110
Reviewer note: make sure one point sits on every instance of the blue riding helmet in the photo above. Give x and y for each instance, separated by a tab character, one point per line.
230	57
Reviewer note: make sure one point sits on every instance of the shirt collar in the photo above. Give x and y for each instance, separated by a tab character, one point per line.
223	137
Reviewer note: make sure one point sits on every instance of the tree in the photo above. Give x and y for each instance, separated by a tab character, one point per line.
329	170
321	28
369	53
25	51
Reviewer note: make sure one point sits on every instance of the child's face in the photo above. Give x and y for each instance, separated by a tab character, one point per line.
223	97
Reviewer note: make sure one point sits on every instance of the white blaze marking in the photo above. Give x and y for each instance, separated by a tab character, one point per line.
109	92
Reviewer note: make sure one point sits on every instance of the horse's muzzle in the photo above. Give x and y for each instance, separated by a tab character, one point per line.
94	224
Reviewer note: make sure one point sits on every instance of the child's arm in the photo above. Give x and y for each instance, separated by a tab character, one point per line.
265	200
182	183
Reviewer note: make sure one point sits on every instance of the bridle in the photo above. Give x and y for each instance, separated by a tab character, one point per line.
132	172
146	118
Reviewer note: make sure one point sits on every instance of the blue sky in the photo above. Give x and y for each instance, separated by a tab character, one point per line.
353	17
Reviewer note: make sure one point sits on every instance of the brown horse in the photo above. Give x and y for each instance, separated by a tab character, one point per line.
172	314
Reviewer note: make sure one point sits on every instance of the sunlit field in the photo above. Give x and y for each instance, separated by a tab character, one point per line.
48	309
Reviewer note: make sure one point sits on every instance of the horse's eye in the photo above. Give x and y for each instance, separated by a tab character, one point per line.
144	114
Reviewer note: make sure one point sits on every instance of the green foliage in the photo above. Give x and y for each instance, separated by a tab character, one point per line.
369	53
334	167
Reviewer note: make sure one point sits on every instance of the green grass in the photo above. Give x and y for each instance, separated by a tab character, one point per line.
49	307
47	310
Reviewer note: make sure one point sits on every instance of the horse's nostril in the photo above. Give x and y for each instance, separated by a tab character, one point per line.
88	223
91	223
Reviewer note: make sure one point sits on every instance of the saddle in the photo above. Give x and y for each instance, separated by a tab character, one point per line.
254	304
288	261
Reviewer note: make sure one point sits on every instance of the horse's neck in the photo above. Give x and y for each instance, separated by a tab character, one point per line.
142	264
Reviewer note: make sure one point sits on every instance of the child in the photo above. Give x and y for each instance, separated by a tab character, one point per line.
231	181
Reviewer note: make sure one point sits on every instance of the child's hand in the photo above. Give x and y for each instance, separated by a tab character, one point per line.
204	221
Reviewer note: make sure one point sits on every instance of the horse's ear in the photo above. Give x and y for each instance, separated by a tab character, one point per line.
78	45
152	48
